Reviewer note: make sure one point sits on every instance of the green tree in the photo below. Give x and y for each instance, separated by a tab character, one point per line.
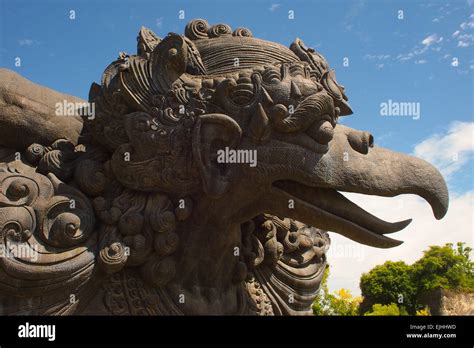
386	284
322	302
379	309
341	302
444	267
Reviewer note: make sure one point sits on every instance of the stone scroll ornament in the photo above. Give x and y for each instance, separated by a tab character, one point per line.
134	214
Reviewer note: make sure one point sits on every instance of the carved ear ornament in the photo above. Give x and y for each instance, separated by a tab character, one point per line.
208	129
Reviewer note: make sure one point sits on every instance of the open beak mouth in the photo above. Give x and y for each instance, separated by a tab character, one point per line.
309	189
328	209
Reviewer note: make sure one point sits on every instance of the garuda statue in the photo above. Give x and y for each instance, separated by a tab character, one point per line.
134	209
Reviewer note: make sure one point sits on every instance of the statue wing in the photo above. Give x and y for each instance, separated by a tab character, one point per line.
48	244
30	113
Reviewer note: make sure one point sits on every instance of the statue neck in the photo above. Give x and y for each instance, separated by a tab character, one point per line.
207	267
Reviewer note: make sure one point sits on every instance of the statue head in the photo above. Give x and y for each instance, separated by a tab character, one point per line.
224	117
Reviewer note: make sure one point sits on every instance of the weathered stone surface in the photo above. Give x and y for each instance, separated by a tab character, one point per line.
448	302
202	185
28	113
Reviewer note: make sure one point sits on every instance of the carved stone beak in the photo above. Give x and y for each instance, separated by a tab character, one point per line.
352	164
377	171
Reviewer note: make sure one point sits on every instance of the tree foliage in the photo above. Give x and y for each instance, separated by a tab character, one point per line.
444	267
397	283
386	284
380	309
341	302
394	288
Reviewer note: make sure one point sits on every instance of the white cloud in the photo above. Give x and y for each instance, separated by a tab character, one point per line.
377	56
464	36
28	42
159	22
353	11
431	42
432	39
349	259
465	40
274	7
467	25
451	151
404	57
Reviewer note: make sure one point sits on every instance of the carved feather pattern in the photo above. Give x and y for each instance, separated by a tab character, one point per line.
138	83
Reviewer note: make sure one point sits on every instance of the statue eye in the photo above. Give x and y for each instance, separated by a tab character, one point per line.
271	75
142	125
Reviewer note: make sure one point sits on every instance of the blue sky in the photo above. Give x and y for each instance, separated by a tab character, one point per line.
405	60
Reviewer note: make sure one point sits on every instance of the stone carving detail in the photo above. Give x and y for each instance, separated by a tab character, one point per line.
47	236
139	216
